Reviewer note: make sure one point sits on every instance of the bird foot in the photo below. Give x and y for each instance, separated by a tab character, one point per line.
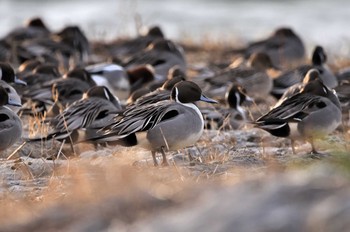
165	163
318	155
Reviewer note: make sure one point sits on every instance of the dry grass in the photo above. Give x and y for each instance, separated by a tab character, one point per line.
121	184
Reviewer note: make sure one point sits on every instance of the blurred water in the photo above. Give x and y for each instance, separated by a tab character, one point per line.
318	22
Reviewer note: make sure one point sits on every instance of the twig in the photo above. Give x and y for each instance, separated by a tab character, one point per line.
15	151
178	171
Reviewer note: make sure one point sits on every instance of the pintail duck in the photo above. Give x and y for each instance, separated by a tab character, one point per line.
233	116
7	77
343	93
13	95
42	73
113	76
311	75
312	113
28	66
343	74
75	39
10	124
251	76
141	76
162	54
36	79
69	46
284	47
7	74
33	28
128	48
160	94
294	76
97	106
157	87
61	92
5	51
162	126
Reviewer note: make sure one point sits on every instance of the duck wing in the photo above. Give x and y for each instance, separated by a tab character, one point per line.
141	118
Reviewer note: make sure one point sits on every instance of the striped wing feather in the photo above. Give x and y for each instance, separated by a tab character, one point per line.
139	119
292	110
82	114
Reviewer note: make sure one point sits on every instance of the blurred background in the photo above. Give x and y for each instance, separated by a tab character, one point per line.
322	22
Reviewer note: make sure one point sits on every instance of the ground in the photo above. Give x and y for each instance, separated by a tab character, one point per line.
241	180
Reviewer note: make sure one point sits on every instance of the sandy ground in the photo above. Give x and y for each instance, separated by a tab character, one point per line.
242	180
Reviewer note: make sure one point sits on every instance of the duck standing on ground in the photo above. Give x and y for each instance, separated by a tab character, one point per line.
162	126
294	76
310	114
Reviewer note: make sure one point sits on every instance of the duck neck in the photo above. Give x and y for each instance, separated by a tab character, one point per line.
195	108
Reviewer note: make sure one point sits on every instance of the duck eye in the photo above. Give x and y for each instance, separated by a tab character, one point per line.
321	105
8	90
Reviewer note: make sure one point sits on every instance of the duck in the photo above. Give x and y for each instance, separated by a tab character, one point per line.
251	75
54	95
343	93
319	58
284	47
42	73
308	115
343	74
10	123
74	37
7	74
174	75
162	54
8	77
163	126
141	76
97	106
126	49
121	81
66	47
111	75
159	94
311	75
230	116
45	49
33	28
28	66
12	93
36	79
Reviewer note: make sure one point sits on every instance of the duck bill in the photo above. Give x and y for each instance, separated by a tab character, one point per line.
206	99
20	82
14	102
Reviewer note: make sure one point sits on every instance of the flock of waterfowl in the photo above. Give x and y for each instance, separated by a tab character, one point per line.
136	91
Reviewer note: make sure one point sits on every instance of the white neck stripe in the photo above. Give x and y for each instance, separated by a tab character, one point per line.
195	108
